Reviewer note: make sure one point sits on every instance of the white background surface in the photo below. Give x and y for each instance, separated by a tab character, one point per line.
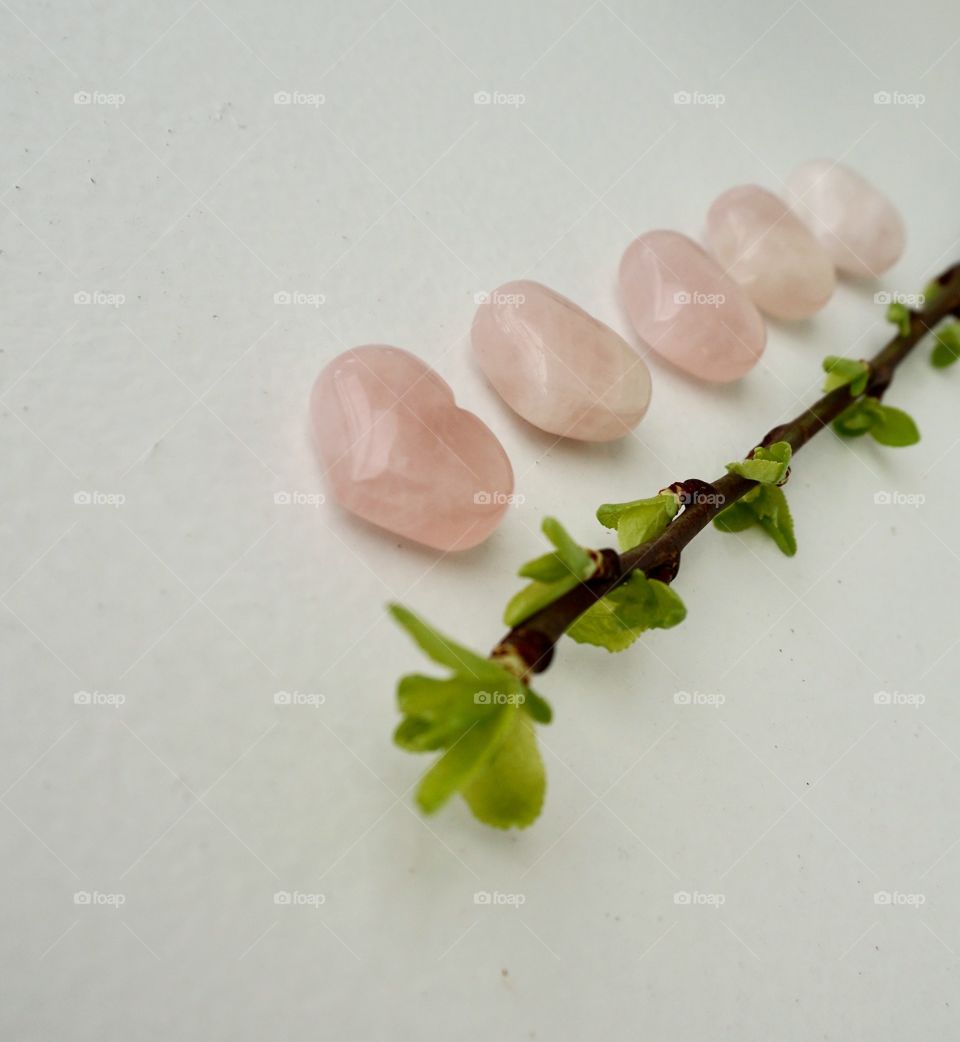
398	199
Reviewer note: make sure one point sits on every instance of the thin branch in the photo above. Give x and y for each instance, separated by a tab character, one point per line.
528	647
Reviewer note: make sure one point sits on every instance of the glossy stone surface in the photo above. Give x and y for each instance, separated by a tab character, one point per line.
858	225
557	366
684	306
398	451
762	243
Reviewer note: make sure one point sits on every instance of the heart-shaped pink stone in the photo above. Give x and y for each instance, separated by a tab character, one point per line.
762	243
858	225
557	366
687	309
398	451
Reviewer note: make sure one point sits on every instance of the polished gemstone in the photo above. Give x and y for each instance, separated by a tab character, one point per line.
688	310
557	366
398	451
758	240
858	225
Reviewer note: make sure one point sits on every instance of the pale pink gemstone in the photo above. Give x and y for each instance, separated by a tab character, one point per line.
684	306
558	367
858	225
398	451
770	252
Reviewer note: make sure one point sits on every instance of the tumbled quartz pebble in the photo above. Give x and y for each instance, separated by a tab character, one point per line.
557	366
857	224
772	254
398	451
684	306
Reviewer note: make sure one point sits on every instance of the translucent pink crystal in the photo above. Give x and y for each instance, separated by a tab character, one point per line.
399	452
684	306
770	252
857	224
557	366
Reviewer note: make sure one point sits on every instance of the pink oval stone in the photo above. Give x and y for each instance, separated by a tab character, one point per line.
399	452
858	225
561	369
770	252
684	306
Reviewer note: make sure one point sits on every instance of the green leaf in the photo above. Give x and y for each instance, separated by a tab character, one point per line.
618	618
884	423
766	507
894	427
946	348
538	708
899	314
640	520
573	555
766	464
536	595
442	649
464	759
508	791
546	568
845	371
857	418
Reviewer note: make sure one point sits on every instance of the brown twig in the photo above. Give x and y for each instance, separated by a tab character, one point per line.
528	647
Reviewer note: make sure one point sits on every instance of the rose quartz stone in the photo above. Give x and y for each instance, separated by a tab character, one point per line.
770	252
397	450
857	224
557	366
688	310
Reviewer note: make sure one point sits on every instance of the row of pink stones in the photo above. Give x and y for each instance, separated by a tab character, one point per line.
399	453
